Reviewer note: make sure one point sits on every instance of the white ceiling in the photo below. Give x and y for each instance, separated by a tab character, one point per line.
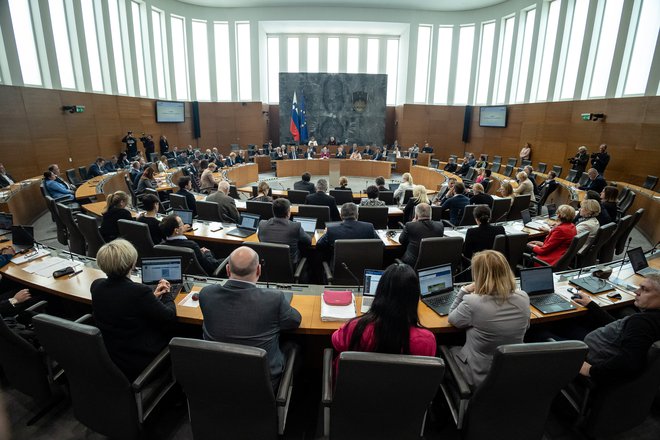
425	5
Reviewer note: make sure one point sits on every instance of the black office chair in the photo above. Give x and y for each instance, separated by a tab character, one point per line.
500	209
467	219
297	197
376	215
103	399
130	190
615	407
233	192
626	203
77	242
434	251
407	195
83	173
356	255
137	233
513	247
62	234
496	167
90	230
650	182
435	164
557	169
320	213
497	159
524	163
623	191
360	407
584	178
542	167
503	407
507	171
567	260
262	209
229	390
519	204
72	178
608	250
189	263
342	196
387	197
469	176
513	161
543	197
208	211
589	256
277	266
178	201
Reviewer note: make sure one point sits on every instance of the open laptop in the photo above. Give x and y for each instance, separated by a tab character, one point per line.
371	279
552	211
393	186
22	237
168	268
185	214
248	226
538	283
639	263
527	221
308	224
6	222
436	286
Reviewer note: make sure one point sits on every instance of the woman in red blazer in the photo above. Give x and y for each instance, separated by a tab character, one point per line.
559	238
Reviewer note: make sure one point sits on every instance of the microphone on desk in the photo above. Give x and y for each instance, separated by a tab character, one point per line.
623	260
263	272
350	272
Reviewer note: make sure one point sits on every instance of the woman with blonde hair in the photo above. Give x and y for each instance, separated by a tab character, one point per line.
116	205
419	196
406	183
263	191
206	181
163	165
343	184
589	212
492	310
506	191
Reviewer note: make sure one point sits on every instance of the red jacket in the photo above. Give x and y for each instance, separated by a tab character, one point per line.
556	243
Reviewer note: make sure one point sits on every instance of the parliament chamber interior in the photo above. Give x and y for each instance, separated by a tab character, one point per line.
329	220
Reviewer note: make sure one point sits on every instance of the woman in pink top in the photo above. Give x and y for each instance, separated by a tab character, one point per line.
392	324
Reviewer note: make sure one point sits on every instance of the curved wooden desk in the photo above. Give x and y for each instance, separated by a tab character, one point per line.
367	168
24	200
650	202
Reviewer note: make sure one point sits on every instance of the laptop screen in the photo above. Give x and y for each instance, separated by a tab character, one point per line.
22	235
537	281
249	221
156	269
371	279
637	259
308	223
185	214
394	186
526	217
6	220
552	209
436	279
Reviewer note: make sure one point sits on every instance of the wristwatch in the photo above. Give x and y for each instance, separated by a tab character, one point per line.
13	301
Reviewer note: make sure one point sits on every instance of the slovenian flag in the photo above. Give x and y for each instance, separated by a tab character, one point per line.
294	125
303	119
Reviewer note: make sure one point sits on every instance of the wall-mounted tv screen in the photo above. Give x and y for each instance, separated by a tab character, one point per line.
170	111
492	116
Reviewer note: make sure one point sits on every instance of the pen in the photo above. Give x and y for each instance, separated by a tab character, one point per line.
75	273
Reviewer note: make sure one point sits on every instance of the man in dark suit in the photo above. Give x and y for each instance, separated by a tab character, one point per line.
341	154
596	182
96	169
135	172
293	154
185	186
239	312
111	165
320	198
456	204
451	166
427	148
600	160
226	204
182	159
5	179
305	184
378	155
380	183
350	228
550	184
173	229
280	229
414	231
368	150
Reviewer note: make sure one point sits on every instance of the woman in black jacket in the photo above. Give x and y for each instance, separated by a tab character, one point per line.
482	237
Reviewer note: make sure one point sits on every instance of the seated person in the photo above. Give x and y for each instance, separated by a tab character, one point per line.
406	183
239	312
525	187
147	181
532	178
379	154
456	204
96	169
479	197
226	205
414	231
185	188
5	178
482	162
207	182
492	310
341	154
134	320
446	193
173	229
320	198
304	184
112	165
380	183
343	184
55	189
280	229
115	209
263	189
419	196
589	211
325	153
549	184
608	201
596	182
559	238
151	203
506	191
392	324
451	166
427	148
603	217
481	175
355	155
372	197
350	228
618	348
163	165
483	236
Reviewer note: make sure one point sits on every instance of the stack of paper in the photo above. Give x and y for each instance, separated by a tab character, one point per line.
30	256
47	266
338	313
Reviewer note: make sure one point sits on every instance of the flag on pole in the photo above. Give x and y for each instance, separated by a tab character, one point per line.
304	137
294	125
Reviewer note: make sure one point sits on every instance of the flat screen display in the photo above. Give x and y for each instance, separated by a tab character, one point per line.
492	116
170	111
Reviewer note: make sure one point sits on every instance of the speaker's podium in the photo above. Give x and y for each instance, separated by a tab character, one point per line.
424	159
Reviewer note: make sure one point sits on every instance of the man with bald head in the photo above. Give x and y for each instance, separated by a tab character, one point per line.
226	205
239	312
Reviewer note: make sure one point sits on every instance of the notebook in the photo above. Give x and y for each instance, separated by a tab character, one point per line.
167	268
308	224
538	283
371	279
639	263
436	286
248	226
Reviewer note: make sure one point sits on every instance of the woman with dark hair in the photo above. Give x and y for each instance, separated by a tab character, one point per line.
146	181
391	325
482	237
122	161
150	203
263	191
115	210
608	201
372	197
